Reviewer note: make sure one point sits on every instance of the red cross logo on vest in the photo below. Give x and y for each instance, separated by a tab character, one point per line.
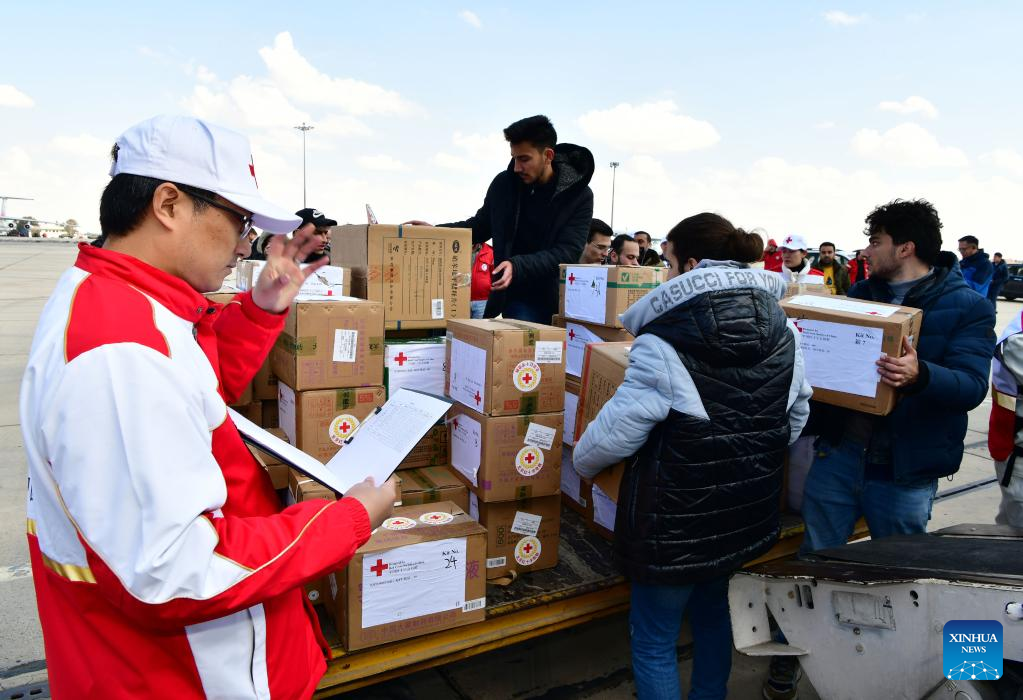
400	359
379	568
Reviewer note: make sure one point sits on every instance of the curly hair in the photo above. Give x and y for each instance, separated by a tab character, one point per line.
915	220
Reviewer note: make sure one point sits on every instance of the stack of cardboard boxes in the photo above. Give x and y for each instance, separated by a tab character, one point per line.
508	379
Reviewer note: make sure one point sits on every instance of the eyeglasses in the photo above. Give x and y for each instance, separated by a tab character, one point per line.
245	219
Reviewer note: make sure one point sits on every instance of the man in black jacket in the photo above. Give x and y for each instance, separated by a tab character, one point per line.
538	213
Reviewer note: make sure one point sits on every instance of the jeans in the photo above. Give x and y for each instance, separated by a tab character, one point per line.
476	308
837	494
655	621
524	311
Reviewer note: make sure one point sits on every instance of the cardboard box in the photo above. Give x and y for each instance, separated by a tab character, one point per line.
842	339
422	571
415	365
505	368
264	384
521	535
433	484
431	451
605	492
271	414
572	391
330	345
317	422
277	470
599	293
506	458
576	494
603	372
244	400
421	274
252	410
578	335
329	280
302	488
221	297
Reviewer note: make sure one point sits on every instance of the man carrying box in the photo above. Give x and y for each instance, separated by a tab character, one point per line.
163	563
886	468
538	212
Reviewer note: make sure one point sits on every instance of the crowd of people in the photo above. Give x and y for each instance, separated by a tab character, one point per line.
193	589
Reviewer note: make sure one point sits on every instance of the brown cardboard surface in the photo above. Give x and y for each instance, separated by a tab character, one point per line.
433	484
277	470
421	274
430	451
509	469
625	286
509	551
317	422
253	410
264	384
270	414
573	389
609	481
905	322
603	372
303	356
576	341
345	587
515	382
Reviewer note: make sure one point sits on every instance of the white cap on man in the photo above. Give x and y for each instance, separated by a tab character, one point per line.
190	151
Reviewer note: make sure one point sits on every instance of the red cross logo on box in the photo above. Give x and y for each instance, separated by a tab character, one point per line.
571	333
571	278
379	568
477	397
401	359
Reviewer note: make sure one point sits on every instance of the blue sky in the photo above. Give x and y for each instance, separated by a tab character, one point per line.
792	117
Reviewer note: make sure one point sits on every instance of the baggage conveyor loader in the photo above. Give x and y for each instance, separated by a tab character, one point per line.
866	619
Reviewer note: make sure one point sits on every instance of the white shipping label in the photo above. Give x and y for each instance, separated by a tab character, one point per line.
416	366
526	524
346	345
548	352
571	408
496	562
604	509
474	507
412	581
840	357
468	374
327	281
540	436
477	604
437	309
571	484
577	339
286	411
816	301
466	446
586	293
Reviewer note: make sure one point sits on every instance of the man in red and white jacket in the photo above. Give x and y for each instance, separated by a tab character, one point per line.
164	565
1005	430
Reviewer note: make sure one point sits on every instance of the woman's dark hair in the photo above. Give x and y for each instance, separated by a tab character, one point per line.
709	236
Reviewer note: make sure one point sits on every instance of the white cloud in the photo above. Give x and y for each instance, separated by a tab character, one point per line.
302	82
652	127
11	96
471	18
453	162
83	145
205	75
911	105
1006	159
382	162
824	126
907	144
478	152
843	19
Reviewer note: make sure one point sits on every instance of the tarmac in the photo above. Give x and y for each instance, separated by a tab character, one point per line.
588	661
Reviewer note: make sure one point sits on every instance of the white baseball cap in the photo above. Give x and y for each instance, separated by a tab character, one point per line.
190	151
793	241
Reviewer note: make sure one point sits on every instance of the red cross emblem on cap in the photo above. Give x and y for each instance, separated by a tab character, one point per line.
401	359
788	239
379	568
252	170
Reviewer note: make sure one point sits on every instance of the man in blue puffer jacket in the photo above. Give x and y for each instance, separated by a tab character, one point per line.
886	468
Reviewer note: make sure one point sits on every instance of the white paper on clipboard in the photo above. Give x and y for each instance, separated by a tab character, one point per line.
374	450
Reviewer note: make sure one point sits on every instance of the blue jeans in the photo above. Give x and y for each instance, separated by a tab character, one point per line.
522	311
837	494
476	308
655	621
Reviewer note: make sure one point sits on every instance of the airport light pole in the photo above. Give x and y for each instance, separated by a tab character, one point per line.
304	128
614	171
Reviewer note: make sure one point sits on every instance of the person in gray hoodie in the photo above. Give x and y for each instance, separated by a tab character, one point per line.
713	396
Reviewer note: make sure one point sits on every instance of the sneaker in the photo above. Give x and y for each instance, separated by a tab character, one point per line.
782	678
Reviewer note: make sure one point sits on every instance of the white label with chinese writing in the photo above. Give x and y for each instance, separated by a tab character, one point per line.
477	604
571	406
586	293
540	436
346	345
548	352
412	581
416	366
526	524
852	306
286	411
840	357
571	485
604	509
496	562
437	309
578	338
468	374
466	446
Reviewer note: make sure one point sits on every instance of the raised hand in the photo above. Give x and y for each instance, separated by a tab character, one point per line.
282	276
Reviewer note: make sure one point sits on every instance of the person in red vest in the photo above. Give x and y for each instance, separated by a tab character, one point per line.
772	256
1005	431
482	268
859	268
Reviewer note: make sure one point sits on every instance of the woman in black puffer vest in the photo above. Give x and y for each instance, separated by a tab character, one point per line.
713	395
